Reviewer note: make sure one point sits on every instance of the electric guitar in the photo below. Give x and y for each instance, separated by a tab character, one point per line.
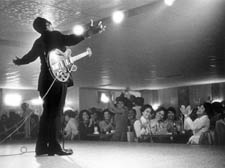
61	64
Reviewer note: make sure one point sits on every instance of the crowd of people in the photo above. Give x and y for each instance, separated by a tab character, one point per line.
19	126
131	120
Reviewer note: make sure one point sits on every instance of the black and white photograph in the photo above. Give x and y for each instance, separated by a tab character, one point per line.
112	83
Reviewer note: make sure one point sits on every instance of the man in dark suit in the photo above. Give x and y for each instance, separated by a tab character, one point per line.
54	100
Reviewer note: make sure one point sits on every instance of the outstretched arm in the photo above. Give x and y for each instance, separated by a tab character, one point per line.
92	29
31	56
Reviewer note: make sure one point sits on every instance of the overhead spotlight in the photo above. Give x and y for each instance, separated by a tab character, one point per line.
118	16
169	2
78	30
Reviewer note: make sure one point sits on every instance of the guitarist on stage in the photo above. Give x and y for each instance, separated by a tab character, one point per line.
55	99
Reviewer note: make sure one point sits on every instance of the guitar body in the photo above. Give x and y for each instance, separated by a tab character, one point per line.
58	66
61	64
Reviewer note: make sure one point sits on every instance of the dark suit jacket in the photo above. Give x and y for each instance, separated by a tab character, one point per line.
42	46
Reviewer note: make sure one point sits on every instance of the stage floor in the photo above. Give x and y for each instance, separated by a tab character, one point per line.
116	155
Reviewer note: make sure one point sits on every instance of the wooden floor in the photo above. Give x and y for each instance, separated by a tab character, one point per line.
115	155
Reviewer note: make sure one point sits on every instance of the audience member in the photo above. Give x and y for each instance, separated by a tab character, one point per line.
199	125
217	110
139	102
106	125
94	114
142	126
220	130
173	124
131	119
71	129
26	113
34	121
85	126
3	125
120	118
158	125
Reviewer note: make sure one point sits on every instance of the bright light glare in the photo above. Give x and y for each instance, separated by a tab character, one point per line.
155	106
37	101
104	98
78	30
217	100
67	108
169	2
118	16
13	99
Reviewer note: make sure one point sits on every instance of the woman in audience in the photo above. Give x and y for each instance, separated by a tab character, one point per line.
85	126
158	125
120	111
199	125
142	126
173	125
106	126
71	129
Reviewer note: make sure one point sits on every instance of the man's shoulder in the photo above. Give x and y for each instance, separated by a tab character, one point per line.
38	41
55	33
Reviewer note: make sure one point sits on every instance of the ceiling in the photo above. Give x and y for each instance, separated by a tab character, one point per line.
155	47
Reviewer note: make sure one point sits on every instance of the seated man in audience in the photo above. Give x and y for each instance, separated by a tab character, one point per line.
142	126
199	125
106	126
71	129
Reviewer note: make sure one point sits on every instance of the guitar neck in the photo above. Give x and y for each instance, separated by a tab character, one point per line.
79	56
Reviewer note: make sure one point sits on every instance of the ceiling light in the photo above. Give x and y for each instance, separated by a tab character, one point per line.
118	16
78	30
169	2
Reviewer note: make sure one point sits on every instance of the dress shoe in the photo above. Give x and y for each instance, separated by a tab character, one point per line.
61	152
